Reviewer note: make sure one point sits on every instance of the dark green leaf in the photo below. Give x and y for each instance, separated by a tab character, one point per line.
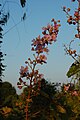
74	69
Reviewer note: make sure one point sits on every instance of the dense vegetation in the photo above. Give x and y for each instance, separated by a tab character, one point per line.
53	102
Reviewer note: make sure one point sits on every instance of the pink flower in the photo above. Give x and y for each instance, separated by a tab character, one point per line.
76	13
46	28
40	76
43	57
47	37
49	26
23	70
53	37
46	49
20	86
74	93
39	48
66	87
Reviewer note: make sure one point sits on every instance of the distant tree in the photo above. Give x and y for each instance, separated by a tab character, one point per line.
8	98
4	16
3	20
7	94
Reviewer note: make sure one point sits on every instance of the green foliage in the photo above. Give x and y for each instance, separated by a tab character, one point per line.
7	93
8	99
49	104
74	69
41	106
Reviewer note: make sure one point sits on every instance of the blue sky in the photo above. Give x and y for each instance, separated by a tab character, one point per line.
17	42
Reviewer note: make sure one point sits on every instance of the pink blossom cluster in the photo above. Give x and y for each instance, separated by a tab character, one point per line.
75	93
39	46
32	75
66	87
74	19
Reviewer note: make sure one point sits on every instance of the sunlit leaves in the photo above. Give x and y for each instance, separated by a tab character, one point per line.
6	110
61	109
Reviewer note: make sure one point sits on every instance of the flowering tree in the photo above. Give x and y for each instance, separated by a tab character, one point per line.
74	69
75	20
30	72
70	94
